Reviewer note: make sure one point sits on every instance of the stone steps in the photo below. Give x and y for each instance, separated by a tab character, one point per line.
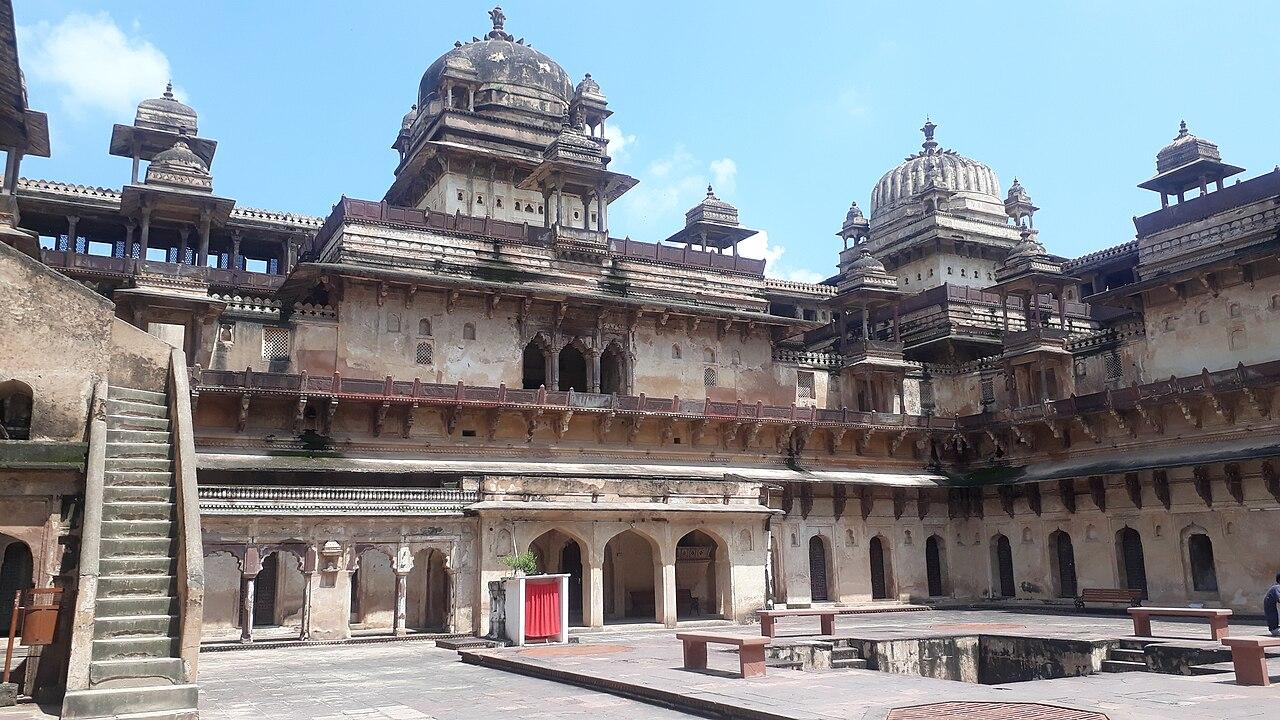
137	565
139	510
149	397
137	586
850	664
1118	666
141	464
108	702
126	529
134	626
141	646
1128	654
138	436
130	478
106	672
134	408
135	605
139	493
137	422
122	548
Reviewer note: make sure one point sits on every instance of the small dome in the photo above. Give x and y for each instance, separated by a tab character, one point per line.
1184	150
499	59
941	167
854	214
866	263
588	86
407	121
166	113
1028	246
180	155
1017	193
712	209
179	167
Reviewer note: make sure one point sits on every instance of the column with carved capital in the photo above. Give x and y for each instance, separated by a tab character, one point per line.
402	588
247	586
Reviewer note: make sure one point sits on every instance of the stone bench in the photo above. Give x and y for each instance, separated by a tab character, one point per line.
769	617
1249	656
750	651
1217	617
1109	595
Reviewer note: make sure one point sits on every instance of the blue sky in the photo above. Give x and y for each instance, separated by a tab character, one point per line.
793	109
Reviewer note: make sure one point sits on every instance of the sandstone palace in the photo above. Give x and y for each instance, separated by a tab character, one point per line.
227	424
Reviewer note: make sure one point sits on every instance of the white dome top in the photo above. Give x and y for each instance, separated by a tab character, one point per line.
955	172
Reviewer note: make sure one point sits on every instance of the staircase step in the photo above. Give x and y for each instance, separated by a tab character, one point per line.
845	653
133	395
1117	666
139	493
135	647
137	477
137	436
113	671
1128	654
131	606
115	566
144	464
138	450
137	422
131	407
131	626
123	548
123	529
136	585
114	702
1134	644
850	664
784	664
129	510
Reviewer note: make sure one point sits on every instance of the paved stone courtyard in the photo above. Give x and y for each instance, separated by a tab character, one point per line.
412	680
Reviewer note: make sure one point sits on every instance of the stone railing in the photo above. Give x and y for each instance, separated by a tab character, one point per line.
245	499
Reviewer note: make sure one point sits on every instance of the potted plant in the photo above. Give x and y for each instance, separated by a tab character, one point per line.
521	564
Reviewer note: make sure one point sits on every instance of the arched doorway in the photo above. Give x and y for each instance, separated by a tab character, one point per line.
935	566
881	570
15	415
572	370
278	591
1062	562
1002	567
631	583
534	366
1130	560
559	552
612	370
819	570
373	592
427	593
701	567
16	573
1204	572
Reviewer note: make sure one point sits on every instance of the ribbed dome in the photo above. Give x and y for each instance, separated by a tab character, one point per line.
166	113
955	172
180	155
1184	150
866	263
498	58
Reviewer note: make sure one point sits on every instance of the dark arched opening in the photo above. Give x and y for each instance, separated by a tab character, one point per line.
935	566
1063	563
1204	575
1002	567
631	578
819	591
558	552
573	370
534	367
15	410
16	573
1129	557
880	578
700	565
612	371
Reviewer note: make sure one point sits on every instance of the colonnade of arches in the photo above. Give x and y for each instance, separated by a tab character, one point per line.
633	579
575	366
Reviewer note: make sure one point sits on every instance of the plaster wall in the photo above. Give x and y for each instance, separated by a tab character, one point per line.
1203	331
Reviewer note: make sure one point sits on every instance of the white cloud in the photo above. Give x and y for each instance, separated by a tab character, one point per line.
93	63
724	173
759	246
618	143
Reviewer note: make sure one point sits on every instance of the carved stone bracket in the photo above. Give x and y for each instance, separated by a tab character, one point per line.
1098	491
839	498
806	499
1235	482
1033	498
1204	487
835	436
243	419
899	503
1271	479
1160	483
1067	494
1133	484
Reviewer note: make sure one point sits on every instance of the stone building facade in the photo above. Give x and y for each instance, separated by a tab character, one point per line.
387	402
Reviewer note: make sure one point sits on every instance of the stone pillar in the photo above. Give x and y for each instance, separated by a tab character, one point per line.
1004	307
128	239
1062	311
247	586
594	381
235	250
202	252
146	233
600	209
553	370
897	332
11	172
71	232
559	202
183	233
668	588
593	577
402	591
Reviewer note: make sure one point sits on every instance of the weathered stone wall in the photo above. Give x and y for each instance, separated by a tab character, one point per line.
1210	330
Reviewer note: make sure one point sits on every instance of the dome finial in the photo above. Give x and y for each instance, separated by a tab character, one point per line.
1182	129
168	90
498	17
929	127
710	193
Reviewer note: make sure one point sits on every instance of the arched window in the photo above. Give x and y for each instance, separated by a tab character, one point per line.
534	367
393	323
573	369
1062	561
708	355
1002	567
15	410
1130	560
424	327
881	576
935	566
424	353
675	352
818	587
709	377
1204	317
1204	574
1235	310
469	331
612	371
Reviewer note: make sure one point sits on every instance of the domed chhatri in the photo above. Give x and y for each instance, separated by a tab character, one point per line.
181	168
866	263
1029	246
499	58
1185	149
933	166
166	113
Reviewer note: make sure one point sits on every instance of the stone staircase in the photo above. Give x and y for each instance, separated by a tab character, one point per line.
1128	656
844	656
814	653
135	670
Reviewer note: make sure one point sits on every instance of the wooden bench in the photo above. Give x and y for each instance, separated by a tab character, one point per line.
750	651
768	617
1109	595
1217	617
1249	656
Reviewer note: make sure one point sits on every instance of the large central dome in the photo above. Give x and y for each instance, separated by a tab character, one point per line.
499	59
952	171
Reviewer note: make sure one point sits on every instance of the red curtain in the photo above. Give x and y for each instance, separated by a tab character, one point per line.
541	610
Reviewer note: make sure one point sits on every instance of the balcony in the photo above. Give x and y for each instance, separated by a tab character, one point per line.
1036	339
82	265
297	500
873	354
